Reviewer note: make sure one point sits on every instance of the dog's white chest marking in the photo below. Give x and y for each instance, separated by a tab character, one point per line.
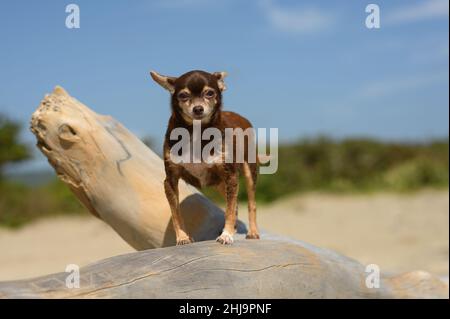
201	170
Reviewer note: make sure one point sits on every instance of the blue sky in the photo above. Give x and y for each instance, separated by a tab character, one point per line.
305	67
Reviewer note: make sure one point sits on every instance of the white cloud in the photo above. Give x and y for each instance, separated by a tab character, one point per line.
394	86
297	20
424	10
429	53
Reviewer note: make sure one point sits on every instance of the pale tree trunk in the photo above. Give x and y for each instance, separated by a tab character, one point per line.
120	181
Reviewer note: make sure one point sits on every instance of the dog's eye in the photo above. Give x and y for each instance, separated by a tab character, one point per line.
183	96
210	93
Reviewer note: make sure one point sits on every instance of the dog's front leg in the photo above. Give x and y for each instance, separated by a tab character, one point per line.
171	189
232	189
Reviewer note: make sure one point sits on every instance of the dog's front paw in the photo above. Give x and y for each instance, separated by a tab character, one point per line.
252	235
184	240
225	239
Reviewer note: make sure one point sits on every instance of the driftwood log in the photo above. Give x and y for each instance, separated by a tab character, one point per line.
120	181
269	268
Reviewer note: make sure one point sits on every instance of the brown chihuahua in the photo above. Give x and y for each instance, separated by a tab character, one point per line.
196	97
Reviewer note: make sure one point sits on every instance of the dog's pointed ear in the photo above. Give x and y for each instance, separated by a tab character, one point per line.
167	82
220	80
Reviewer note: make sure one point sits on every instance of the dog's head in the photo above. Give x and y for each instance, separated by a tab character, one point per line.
196	95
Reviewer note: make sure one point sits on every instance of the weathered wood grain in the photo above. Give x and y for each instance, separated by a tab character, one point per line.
269	268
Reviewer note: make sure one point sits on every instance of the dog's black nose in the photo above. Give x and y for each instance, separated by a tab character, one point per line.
198	110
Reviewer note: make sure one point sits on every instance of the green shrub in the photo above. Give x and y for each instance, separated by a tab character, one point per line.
20	204
355	165
416	174
321	164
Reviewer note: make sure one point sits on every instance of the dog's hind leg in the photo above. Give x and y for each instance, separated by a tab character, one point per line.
250	175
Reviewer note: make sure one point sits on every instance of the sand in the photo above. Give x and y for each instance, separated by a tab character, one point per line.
48	245
397	232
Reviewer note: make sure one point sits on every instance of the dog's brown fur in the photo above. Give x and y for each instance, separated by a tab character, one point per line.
195	88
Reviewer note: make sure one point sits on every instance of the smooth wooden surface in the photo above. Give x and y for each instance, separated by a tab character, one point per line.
269	268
